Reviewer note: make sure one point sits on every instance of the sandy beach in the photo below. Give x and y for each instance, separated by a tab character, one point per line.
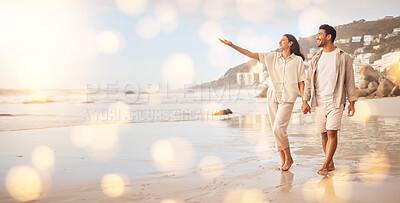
229	159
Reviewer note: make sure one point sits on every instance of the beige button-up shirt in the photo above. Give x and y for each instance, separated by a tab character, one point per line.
285	74
344	80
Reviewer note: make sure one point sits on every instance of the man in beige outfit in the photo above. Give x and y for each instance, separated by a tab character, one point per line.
330	78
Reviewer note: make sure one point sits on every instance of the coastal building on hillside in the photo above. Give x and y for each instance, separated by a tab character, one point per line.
366	58
356	39
359	50
396	31
256	75
387	17
343	41
378	65
390	59
390	35
368	39
360	61
376	40
357	65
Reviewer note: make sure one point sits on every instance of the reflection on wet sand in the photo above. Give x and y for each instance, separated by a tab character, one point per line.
286	181
327	183
336	187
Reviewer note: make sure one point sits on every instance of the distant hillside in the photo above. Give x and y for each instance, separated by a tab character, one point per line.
360	28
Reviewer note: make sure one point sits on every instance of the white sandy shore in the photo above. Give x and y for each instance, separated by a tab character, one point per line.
241	166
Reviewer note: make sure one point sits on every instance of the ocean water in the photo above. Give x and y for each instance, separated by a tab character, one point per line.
38	109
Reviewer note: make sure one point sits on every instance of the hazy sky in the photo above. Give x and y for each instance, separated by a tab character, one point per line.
70	43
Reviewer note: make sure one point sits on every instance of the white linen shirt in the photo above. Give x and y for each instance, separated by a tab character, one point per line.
285	74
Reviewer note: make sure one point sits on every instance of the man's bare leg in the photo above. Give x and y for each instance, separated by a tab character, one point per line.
282	155
288	159
324	136
330	151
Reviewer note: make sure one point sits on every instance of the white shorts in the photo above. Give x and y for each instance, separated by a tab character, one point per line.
327	117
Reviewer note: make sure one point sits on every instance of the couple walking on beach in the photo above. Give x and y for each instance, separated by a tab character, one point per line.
329	79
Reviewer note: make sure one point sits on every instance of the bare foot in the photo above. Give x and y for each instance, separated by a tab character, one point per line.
331	166
323	172
280	167
287	165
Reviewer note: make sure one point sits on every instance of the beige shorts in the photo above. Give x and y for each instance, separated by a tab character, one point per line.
327	117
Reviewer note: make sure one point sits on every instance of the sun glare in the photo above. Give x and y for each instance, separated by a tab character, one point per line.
37	40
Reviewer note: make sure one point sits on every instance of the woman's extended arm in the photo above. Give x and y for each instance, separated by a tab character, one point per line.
241	50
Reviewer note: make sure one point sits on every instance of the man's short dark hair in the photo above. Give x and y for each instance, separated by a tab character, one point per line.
329	30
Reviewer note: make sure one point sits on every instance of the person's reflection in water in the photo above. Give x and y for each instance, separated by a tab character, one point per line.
327	183
286	181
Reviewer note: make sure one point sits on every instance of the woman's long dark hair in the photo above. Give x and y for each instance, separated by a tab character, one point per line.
295	48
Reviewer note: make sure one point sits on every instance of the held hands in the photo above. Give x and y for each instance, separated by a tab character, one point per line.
305	108
229	43
351	109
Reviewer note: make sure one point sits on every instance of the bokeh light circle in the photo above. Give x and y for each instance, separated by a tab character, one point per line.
374	167
23	183
113	185
43	157
148	27
174	154
178	70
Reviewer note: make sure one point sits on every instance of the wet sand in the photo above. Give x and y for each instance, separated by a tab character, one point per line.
211	161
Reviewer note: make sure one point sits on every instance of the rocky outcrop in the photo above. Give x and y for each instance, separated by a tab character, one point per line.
384	88
395	92
372	87
374	84
223	112
368	80
367	75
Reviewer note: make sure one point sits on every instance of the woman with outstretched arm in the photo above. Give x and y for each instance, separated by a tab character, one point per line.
287	76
